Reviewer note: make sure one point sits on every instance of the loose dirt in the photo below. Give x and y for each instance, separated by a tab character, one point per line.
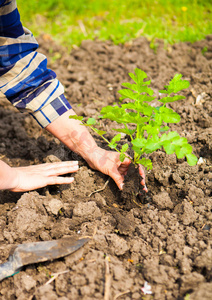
165	239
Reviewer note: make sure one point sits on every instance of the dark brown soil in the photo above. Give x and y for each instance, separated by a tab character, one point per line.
165	239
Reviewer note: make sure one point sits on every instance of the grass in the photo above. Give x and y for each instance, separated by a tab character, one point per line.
70	22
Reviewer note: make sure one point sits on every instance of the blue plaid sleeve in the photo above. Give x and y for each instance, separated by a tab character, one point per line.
25	79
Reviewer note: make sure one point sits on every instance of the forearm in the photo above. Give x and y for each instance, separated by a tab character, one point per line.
75	136
7	176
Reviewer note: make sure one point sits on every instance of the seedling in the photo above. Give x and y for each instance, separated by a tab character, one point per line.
145	124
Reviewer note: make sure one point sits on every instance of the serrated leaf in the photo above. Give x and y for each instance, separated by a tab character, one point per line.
129	106
91	121
152	130
139	143
148	111
152	144
124	148
75	117
168	115
169	148
139	75
138	89
137	150
116	138
180	141
125	130
182	151
100	132
112	146
191	159
122	157
129	94
170	136
175	85
171	99
145	162
135	87
165	128
146	98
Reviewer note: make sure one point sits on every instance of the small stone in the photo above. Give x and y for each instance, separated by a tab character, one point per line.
119	244
163	201
53	206
51	159
89	210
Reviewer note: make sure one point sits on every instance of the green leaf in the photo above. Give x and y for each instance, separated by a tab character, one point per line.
100	132
139	76
152	130
146	98
167	137
124	148
168	115
129	94
145	162
125	130
148	111
116	138
137	150
122	157
175	85
75	117
180	141
129	106
171	99
165	128
91	121
169	148
191	159
152	144
139	143
135	87
112	146
184	150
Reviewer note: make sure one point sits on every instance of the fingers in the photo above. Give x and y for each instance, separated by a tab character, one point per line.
52	169
118	178
59	180
62	168
142	174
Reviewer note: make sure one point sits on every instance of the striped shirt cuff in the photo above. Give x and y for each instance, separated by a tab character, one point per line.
47	114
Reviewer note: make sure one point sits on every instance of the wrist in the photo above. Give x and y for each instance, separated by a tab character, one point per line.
8	177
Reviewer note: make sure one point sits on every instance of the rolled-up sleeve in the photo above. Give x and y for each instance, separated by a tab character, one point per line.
25	79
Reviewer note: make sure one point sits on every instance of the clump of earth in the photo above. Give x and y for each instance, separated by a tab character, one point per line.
165	239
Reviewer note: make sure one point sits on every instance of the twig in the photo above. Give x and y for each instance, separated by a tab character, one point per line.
107	279
137	203
99	190
121	294
55	275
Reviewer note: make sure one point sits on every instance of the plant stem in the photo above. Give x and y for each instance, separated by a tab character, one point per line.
106	140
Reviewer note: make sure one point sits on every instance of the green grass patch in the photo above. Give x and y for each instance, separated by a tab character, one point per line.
70	22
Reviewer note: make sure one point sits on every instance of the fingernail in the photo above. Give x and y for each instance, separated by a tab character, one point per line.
75	162
76	167
121	186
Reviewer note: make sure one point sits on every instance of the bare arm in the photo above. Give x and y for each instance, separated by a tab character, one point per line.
33	177
78	139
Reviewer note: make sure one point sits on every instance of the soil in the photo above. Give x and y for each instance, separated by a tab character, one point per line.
164	237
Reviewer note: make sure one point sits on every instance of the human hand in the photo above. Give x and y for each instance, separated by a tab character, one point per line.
38	176
108	162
